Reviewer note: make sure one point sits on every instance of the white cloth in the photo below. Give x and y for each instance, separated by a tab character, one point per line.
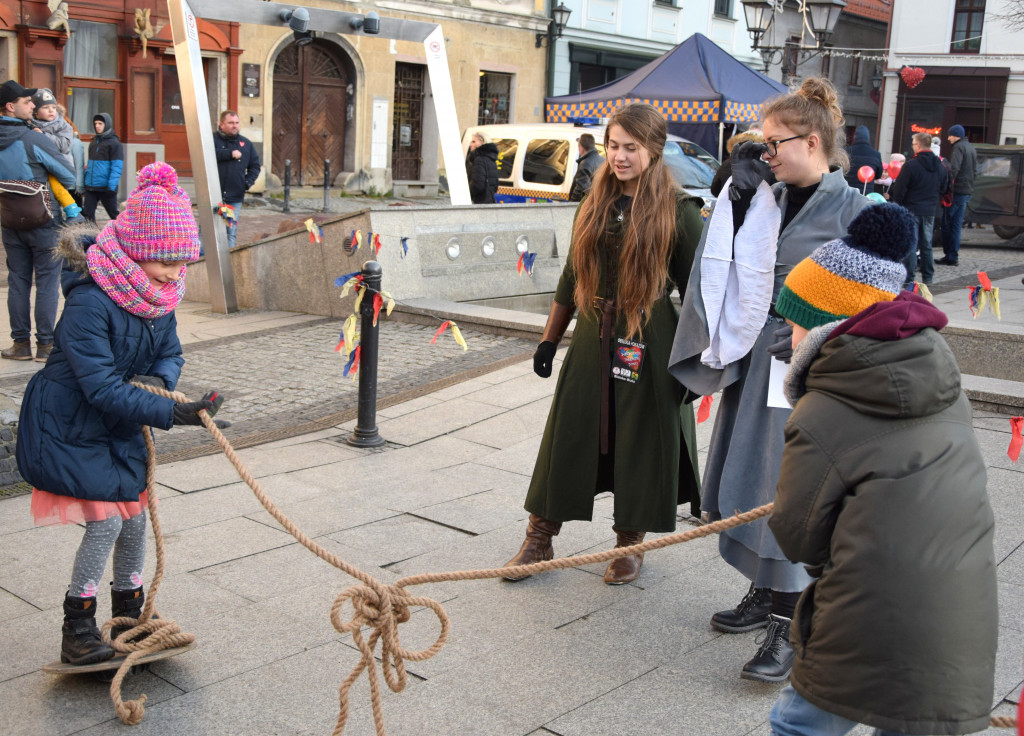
737	275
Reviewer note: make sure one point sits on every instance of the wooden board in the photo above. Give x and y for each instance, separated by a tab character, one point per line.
62	668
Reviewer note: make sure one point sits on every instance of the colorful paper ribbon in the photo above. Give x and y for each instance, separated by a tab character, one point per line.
352	366
983	295
923	291
456	333
405	247
355	241
525	263
316	233
226	211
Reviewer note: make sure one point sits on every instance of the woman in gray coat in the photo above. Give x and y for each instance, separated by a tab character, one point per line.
815	205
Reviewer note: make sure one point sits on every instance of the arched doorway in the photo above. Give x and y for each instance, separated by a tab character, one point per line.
310	111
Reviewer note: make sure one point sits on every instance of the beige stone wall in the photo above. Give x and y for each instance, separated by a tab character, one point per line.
477	39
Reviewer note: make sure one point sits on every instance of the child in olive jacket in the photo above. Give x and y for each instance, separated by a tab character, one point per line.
882	496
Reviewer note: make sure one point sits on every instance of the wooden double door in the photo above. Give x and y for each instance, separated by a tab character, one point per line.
310	112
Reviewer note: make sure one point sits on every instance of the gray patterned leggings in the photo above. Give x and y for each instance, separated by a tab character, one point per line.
127	537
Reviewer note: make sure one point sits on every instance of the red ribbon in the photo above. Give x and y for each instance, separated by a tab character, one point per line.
442	328
1017	428
705	409
985	281
378	302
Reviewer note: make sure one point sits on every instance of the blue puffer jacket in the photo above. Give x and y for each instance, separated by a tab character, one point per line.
27	154
106	159
80	429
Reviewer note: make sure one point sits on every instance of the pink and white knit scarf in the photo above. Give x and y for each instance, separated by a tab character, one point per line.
124	281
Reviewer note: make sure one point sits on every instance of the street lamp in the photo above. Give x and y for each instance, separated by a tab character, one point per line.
820	16
559	19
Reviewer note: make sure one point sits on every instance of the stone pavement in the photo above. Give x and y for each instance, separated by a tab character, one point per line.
561	653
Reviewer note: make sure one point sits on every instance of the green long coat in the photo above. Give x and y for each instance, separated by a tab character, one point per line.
655	449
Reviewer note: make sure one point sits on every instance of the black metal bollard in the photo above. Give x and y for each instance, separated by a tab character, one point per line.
327	185
287	184
365	434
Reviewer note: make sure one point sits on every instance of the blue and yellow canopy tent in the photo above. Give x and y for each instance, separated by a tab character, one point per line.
697	85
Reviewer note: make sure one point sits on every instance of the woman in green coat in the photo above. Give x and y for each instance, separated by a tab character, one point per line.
618	422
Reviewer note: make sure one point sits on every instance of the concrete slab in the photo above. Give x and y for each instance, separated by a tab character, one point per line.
435	421
397	538
11	606
204	546
16	517
510	427
325	513
186	511
44	705
516	391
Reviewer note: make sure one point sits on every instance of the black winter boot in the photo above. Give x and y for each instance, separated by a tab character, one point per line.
81	643
774	660
751	613
126	603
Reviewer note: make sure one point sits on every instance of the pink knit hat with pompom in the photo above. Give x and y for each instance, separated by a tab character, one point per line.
157	222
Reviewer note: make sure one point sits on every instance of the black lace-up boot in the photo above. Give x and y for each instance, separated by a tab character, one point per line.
774	660
751	613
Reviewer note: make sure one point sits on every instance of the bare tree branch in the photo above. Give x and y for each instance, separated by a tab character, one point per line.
1013	15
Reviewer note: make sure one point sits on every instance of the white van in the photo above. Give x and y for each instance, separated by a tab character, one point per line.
537	162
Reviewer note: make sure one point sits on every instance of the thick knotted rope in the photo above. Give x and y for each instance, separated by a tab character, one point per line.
382	607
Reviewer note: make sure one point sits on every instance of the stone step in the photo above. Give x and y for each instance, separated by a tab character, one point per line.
994	394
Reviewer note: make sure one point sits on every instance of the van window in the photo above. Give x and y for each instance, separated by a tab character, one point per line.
545	161
689	172
507	148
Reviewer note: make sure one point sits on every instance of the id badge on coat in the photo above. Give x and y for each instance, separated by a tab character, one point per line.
628	359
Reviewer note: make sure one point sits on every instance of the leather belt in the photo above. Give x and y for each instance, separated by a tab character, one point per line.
607	308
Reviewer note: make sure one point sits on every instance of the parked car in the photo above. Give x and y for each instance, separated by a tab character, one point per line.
998	197
537	161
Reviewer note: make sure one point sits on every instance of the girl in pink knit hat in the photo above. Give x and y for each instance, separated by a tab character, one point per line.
80	442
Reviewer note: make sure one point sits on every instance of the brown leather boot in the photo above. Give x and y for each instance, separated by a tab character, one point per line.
537	547
20	350
625	569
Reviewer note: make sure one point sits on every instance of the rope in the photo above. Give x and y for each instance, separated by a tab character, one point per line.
374	604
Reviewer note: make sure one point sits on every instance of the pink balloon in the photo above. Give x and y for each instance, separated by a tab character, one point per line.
894	168
885	166
866	174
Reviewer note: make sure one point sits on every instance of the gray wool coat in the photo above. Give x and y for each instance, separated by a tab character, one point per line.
882	493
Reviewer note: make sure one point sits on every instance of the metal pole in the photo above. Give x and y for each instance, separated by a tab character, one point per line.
327	185
199	131
287	184
365	434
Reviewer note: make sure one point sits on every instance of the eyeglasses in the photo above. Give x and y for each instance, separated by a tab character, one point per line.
773	146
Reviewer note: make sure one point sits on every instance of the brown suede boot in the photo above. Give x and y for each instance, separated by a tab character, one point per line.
625	569
537	547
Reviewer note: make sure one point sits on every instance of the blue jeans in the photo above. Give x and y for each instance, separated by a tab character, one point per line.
794	716
954	223
233	226
924	226
28	252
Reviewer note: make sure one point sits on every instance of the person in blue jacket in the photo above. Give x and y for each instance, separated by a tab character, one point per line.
80	441
238	165
103	170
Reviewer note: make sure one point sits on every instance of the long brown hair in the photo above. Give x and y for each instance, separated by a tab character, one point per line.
814	108
650	227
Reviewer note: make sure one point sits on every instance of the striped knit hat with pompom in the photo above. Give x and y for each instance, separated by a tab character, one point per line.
849	274
157	222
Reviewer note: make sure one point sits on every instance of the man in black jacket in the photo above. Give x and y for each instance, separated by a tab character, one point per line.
238	165
27	154
586	166
862	154
963	160
482	165
919	187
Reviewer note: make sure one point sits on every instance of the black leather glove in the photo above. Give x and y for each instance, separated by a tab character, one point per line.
783	348
154	381
748	170
188	413
543	357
